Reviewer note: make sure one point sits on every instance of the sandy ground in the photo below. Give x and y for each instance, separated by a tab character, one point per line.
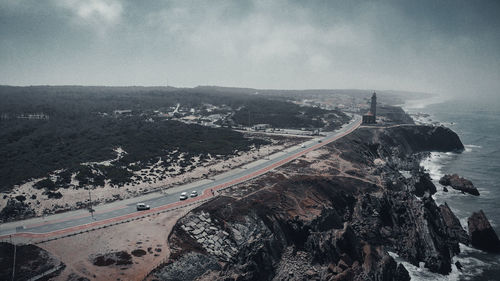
327	161
79	198
77	251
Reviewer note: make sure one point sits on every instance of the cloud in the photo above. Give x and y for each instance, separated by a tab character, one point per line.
447	46
93	12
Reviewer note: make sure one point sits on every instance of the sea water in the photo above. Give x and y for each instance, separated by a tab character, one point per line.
477	122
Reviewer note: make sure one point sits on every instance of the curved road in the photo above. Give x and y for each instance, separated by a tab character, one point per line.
78	220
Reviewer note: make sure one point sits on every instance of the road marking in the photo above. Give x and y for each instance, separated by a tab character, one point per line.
206	194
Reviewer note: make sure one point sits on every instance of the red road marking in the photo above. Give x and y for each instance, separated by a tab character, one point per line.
74	217
206	194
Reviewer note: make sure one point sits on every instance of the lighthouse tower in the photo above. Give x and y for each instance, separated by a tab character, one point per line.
371	116
373	108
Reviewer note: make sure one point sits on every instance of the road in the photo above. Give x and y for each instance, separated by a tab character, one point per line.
73	221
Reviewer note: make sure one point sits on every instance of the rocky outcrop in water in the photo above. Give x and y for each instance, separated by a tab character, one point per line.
482	235
458	183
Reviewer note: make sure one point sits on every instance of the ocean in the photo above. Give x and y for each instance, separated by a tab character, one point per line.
477	122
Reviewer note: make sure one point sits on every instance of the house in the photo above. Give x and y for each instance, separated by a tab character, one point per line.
261	127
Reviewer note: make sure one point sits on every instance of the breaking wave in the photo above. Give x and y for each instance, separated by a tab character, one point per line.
471	147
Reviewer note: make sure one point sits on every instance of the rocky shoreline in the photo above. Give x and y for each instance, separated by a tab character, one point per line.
334	216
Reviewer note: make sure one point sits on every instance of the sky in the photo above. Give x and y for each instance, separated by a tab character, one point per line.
445	47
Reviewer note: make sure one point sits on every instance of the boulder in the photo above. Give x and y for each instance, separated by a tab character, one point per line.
459	183
481	233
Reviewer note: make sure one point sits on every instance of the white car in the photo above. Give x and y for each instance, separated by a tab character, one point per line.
303	146
194	193
183	196
142	207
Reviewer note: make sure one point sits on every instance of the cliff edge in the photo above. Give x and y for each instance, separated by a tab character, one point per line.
333	214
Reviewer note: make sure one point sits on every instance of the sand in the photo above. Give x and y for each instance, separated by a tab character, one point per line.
74	198
77	252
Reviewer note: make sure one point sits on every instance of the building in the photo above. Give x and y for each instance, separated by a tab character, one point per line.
261	127
373	107
371	116
122	112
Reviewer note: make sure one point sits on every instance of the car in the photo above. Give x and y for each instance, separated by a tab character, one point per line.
303	146
183	196
194	193
142	207
320	141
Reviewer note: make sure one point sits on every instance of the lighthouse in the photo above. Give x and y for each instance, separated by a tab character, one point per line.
373	107
371	116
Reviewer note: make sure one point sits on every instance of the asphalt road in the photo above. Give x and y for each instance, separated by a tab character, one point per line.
77	220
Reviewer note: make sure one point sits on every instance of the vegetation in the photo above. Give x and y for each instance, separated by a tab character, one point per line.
279	114
77	125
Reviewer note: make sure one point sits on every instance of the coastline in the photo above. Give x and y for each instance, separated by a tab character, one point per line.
366	190
381	207
477	265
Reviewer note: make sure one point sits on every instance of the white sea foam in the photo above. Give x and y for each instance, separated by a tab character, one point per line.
471	147
434	164
464	249
473	261
420	273
468	258
471	267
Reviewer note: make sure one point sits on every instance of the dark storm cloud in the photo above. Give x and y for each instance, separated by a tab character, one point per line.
436	46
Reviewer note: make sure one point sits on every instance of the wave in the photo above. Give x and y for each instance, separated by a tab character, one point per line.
420	273
435	162
472	260
477	165
472	267
474	263
471	147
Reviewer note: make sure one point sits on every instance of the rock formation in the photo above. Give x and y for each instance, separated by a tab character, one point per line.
454	228
300	223
482	235
459	183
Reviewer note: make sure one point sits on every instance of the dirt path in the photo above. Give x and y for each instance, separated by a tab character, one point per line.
148	234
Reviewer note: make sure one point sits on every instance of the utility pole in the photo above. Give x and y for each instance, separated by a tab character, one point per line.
249	124
91	210
14	260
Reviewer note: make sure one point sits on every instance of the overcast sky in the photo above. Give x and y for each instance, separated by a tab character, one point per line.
434	46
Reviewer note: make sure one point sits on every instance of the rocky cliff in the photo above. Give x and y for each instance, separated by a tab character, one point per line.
333	214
